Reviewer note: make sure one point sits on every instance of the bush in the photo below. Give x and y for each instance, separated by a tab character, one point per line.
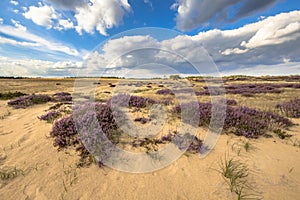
165	92
290	109
65	131
26	101
124	100
241	121
248	90
231	102
63	96
50	116
11	95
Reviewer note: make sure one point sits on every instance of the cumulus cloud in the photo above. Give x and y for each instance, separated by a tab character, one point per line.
194	13
33	68
269	42
64	24
1	21
69	4
42	15
89	16
102	15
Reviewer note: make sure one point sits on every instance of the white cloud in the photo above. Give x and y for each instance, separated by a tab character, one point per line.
4	40
99	15
42	15
18	25
13	2
194	13
67	24
1	20
273	41
31	67
274	30
44	44
102	15
64	24
263	70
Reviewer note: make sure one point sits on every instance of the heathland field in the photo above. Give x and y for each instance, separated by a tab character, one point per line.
43	155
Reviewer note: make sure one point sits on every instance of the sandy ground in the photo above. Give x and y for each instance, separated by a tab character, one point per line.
274	164
24	140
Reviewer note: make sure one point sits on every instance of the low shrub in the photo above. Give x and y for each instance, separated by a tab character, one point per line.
50	116
290	109
11	95
242	121
26	101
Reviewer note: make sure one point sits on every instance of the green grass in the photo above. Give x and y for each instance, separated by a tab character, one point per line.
247	146
8	173
8	113
281	134
235	174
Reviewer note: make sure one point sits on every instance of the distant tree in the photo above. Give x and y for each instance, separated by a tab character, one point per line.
174	77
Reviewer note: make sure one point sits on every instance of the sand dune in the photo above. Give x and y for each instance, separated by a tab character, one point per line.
49	174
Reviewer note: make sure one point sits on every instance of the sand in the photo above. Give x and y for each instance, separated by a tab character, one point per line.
274	166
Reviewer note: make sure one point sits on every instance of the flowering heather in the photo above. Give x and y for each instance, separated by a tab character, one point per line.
166	102
194	144
290	109
231	102
63	96
133	101
83	119
140	102
244	121
142	120
248	89
64	133
26	101
165	92
50	116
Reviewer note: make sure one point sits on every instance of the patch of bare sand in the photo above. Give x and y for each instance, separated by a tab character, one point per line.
48	174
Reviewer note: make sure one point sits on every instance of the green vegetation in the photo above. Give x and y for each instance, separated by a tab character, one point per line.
10	95
7	173
235	174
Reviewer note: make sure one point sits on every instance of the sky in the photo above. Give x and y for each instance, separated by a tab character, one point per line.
59	38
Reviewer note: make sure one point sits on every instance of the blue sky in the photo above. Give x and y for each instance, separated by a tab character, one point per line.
54	37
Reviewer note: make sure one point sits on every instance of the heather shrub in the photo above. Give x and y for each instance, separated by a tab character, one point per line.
187	141
26	101
165	92
248	90
64	133
290	109
63	96
242	121
124	100
50	116
231	102
11	95
95	123
142	120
